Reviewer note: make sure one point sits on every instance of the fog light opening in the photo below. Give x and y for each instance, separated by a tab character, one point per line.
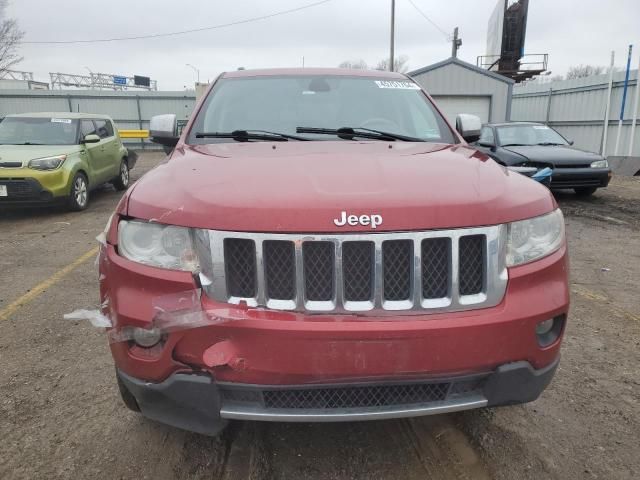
548	331
146	338
544	327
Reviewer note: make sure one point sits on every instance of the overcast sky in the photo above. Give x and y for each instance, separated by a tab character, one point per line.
571	31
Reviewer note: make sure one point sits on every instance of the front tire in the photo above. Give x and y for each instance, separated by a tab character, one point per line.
122	182
79	196
585	191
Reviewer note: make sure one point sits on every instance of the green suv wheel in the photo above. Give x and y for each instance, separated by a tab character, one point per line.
122	182
79	197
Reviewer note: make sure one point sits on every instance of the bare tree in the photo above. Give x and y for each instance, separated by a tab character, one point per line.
10	36
357	64
399	64
581	71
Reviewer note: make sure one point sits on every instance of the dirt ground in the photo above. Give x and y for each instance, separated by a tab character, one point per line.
61	415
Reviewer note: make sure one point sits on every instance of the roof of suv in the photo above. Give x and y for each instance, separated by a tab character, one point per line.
344	72
71	115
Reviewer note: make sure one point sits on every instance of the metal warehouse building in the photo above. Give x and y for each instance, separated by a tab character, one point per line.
460	87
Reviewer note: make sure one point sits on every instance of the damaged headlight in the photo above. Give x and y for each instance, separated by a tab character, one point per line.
164	246
534	238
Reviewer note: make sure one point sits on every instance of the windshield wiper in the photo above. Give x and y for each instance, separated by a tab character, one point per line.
516	145
348	133
246	135
549	143
25	143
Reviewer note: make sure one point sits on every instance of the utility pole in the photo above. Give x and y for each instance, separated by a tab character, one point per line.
455	43
393	23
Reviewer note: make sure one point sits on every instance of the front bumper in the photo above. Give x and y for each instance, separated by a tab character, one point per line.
267	347
198	403
580	177
21	191
28	186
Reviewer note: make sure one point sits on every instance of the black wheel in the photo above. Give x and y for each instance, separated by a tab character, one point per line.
127	397
122	182
585	191
79	195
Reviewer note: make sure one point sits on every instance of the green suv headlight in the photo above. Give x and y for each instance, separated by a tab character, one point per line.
534	238
600	164
164	246
47	163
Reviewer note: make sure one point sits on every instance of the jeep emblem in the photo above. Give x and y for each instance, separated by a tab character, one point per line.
353	220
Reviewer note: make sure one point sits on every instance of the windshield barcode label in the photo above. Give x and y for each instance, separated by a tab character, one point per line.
396	84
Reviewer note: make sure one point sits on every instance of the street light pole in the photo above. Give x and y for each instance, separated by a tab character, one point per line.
197	71
393	23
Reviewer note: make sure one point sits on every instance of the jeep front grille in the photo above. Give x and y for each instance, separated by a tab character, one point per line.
440	270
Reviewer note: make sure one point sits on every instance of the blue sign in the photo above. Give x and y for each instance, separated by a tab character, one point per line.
119	80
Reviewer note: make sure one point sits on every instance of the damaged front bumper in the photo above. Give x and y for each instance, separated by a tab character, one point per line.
196	402
218	361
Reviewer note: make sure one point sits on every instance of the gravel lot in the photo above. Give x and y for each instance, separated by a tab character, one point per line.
62	416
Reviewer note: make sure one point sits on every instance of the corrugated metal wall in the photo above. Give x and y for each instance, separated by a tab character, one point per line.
576	108
455	80
129	110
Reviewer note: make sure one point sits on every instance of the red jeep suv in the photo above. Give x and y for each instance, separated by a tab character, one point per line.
321	245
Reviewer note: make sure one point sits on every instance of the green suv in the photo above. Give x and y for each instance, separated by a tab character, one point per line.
60	157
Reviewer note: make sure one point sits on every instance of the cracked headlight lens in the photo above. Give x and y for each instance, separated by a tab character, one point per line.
164	246
534	238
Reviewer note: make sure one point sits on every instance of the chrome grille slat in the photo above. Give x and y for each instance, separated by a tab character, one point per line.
431	273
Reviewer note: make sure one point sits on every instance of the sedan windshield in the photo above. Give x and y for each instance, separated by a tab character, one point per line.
529	135
316	107
38	131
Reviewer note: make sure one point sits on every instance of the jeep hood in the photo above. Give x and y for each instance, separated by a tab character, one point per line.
303	186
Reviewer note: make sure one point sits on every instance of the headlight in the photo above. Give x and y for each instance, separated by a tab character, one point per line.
535	238
163	246
47	163
600	164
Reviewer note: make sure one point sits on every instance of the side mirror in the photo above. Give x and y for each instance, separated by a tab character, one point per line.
468	126
570	142
91	138
163	129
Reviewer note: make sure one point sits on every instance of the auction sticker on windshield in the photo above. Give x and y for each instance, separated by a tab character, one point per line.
60	120
3	191
397	84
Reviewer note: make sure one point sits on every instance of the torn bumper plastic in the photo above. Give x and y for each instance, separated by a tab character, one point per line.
198	403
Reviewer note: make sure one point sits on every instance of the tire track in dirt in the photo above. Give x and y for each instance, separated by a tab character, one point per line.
443	449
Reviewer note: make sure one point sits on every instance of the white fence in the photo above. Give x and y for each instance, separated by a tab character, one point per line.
576	108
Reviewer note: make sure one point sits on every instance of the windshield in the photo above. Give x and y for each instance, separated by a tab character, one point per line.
529	135
283	104
38	131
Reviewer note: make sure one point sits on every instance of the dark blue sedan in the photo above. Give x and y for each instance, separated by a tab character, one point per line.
528	144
